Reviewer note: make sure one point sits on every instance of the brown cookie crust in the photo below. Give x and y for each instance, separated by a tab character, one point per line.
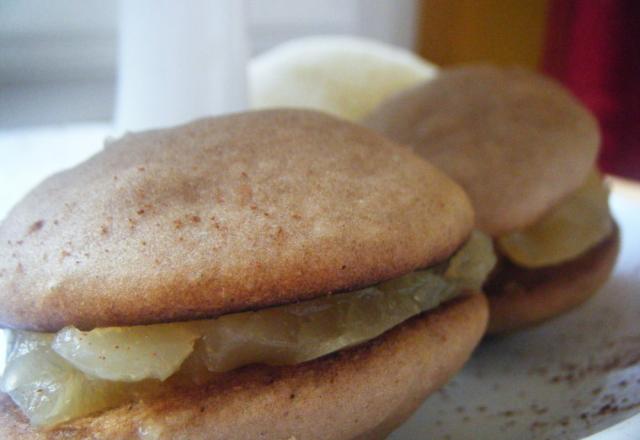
517	142
221	215
362	392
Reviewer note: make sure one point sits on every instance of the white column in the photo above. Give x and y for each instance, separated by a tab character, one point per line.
179	60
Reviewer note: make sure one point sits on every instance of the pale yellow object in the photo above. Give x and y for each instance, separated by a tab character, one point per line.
47	388
127	354
470	266
344	76
568	230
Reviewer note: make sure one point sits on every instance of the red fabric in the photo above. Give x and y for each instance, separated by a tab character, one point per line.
593	47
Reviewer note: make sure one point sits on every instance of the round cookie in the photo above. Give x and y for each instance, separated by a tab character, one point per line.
519	143
220	215
237	213
516	141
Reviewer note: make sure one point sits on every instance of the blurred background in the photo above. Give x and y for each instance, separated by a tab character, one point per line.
59	59
65	62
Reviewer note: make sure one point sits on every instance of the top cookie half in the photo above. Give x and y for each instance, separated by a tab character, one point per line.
220	215
516	141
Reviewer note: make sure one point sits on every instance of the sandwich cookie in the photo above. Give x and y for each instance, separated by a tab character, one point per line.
275	274
524	149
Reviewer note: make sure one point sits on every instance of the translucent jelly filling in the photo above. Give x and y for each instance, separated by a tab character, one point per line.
566	231
61	376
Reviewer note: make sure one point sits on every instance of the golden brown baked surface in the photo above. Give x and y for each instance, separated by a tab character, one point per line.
364	392
516	141
520	297
220	215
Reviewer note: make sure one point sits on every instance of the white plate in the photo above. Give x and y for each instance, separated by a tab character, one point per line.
572	377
